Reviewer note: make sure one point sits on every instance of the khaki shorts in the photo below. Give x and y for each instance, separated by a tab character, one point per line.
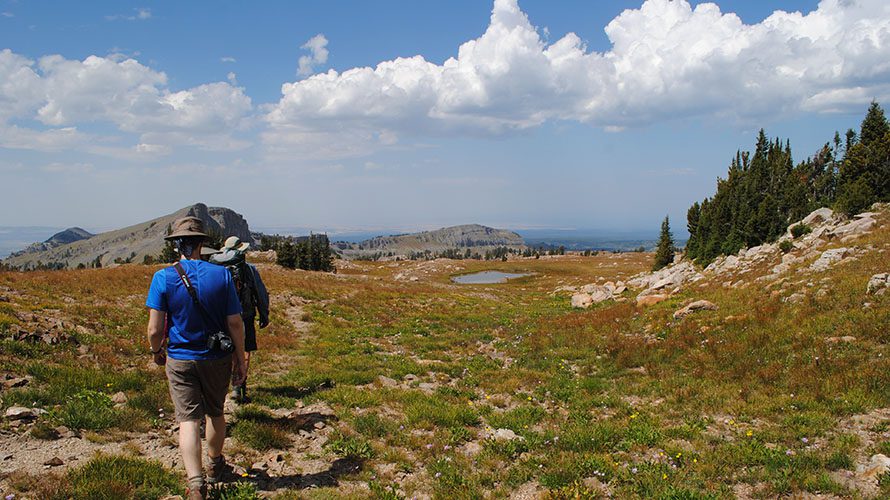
198	387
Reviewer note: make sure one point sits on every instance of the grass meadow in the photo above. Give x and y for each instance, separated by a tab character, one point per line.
749	400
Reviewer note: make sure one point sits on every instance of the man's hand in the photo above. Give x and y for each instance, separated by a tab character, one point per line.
160	357
239	368
264	322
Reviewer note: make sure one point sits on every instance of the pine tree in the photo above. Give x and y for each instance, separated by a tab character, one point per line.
874	127
664	254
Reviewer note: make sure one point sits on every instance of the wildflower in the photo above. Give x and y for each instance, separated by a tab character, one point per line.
401	427
679	455
108	384
634	470
804	440
633	416
243	474
429	446
438	474
749	433
789	452
447	447
487	396
695	460
10	497
529	398
664	476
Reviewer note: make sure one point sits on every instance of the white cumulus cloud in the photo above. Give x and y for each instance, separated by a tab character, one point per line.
667	60
318	54
63	93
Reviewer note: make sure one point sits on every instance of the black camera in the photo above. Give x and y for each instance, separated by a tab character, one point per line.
220	341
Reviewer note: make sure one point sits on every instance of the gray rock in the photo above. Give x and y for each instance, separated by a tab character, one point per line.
20	413
830	258
878	284
698	305
581	300
505	435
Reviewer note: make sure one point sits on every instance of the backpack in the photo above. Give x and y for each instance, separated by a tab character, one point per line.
242	276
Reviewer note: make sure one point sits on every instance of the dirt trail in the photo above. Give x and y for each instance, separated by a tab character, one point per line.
305	464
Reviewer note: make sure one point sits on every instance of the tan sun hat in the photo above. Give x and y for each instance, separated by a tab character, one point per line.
186	226
234	243
209	251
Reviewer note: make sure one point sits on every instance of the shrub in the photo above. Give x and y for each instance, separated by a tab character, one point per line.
350	447
799	230
87	409
786	246
233	491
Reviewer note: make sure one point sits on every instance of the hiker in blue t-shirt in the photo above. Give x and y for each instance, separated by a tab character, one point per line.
196	304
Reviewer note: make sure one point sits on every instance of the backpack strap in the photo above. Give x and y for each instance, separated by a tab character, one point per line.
188	284
191	289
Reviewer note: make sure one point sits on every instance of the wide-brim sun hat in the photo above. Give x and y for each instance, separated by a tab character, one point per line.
234	243
209	251
185	227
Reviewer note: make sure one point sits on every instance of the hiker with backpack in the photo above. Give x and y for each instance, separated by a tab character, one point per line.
195	330
253	295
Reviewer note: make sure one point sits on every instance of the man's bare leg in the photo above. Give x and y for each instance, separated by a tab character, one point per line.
216	435
190	447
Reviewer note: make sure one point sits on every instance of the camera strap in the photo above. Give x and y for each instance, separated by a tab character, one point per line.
192	292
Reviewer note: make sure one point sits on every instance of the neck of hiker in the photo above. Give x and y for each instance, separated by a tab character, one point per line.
196	254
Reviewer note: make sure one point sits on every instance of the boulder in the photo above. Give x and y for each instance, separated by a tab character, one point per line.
698	305
119	398
878	284
829	258
818	216
648	300
582	300
856	227
20	413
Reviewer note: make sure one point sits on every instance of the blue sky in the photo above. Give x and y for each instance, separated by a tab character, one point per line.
405	115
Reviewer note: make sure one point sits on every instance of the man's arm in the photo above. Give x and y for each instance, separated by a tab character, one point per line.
262	296
156	335
236	331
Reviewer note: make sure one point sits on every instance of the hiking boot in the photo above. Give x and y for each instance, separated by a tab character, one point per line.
218	467
238	393
196	493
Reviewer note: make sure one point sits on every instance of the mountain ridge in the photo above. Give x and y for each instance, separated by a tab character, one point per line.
475	237
129	244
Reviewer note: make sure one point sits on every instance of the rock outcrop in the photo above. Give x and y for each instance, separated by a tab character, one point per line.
807	253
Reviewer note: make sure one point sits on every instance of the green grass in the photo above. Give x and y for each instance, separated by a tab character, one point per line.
233	491
87	410
258	429
347	446
105	477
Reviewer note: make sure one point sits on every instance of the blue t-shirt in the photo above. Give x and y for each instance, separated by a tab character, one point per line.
186	324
